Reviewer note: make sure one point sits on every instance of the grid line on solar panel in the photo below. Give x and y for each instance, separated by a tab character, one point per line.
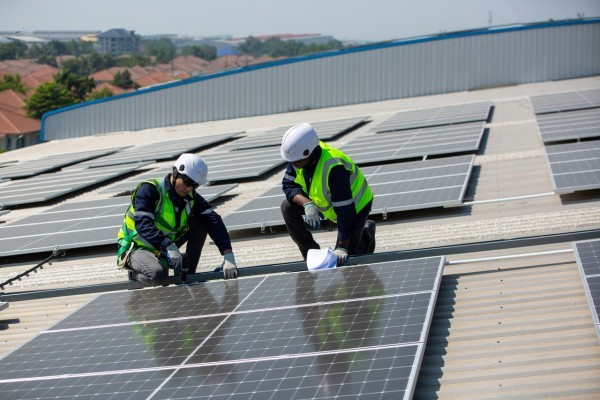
33	167
343	326
51	185
396	187
326	130
239	164
215	298
374	373
50	229
575	166
170	149
385	329
587	255
555	102
415	143
435	116
569	125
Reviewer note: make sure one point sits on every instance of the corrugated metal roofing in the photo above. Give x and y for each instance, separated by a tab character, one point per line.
509	323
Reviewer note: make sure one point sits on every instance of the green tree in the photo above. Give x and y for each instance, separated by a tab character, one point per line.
79	66
252	46
124	81
163	49
99	94
13	82
78	86
205	52
13	50
46	97
97	62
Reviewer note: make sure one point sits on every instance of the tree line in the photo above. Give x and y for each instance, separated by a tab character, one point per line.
71	85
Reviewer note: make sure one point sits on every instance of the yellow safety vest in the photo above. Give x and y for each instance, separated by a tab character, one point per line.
164	218
320	193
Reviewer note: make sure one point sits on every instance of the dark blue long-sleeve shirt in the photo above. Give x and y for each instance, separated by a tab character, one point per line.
339	185
147	198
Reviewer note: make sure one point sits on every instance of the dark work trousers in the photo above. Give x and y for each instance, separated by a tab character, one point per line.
298	229
146	268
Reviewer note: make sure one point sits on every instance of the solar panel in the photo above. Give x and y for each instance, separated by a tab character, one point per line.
240	164
569	125
27	168
126	187
75	225
575	166
396	187
414	143
588	260
166	150
55	184
435	116
4	212
69	226
357	331
3	305
327	130
549	103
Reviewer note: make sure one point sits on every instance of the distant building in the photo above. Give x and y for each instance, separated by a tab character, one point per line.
117	41
67	36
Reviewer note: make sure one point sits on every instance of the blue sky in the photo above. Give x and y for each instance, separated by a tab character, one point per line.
368	20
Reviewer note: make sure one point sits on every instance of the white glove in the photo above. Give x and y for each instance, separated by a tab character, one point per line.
311	215
229	266
342	256
174	257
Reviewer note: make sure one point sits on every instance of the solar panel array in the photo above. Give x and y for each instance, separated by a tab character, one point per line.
574	166
353	332
241	164
396	187
125	187
326	130
74	225
28	168
435	116
166	150
588	260
415	143
580	124
549	103
55	184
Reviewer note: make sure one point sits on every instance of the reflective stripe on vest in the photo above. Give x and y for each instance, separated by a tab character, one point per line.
164	217
319	189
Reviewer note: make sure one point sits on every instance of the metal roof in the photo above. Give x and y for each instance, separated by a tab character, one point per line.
511	319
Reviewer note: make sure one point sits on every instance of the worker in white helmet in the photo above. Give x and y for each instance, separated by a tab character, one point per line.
322	182
163	215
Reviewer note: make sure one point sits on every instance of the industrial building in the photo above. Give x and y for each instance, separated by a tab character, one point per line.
482	151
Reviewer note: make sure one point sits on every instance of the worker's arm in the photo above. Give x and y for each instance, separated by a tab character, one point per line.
343	203
292	190
212	223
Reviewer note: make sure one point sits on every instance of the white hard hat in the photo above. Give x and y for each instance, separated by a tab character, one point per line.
299	142
192	166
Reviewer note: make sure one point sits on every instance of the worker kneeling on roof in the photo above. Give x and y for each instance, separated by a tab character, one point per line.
321	182
163	215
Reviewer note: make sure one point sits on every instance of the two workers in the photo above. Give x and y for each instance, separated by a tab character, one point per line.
320	182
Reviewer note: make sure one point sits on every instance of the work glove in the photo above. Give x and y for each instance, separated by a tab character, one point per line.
228	267
174	257
311	215
342	256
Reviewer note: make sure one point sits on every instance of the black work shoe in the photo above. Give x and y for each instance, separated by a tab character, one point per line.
370	228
